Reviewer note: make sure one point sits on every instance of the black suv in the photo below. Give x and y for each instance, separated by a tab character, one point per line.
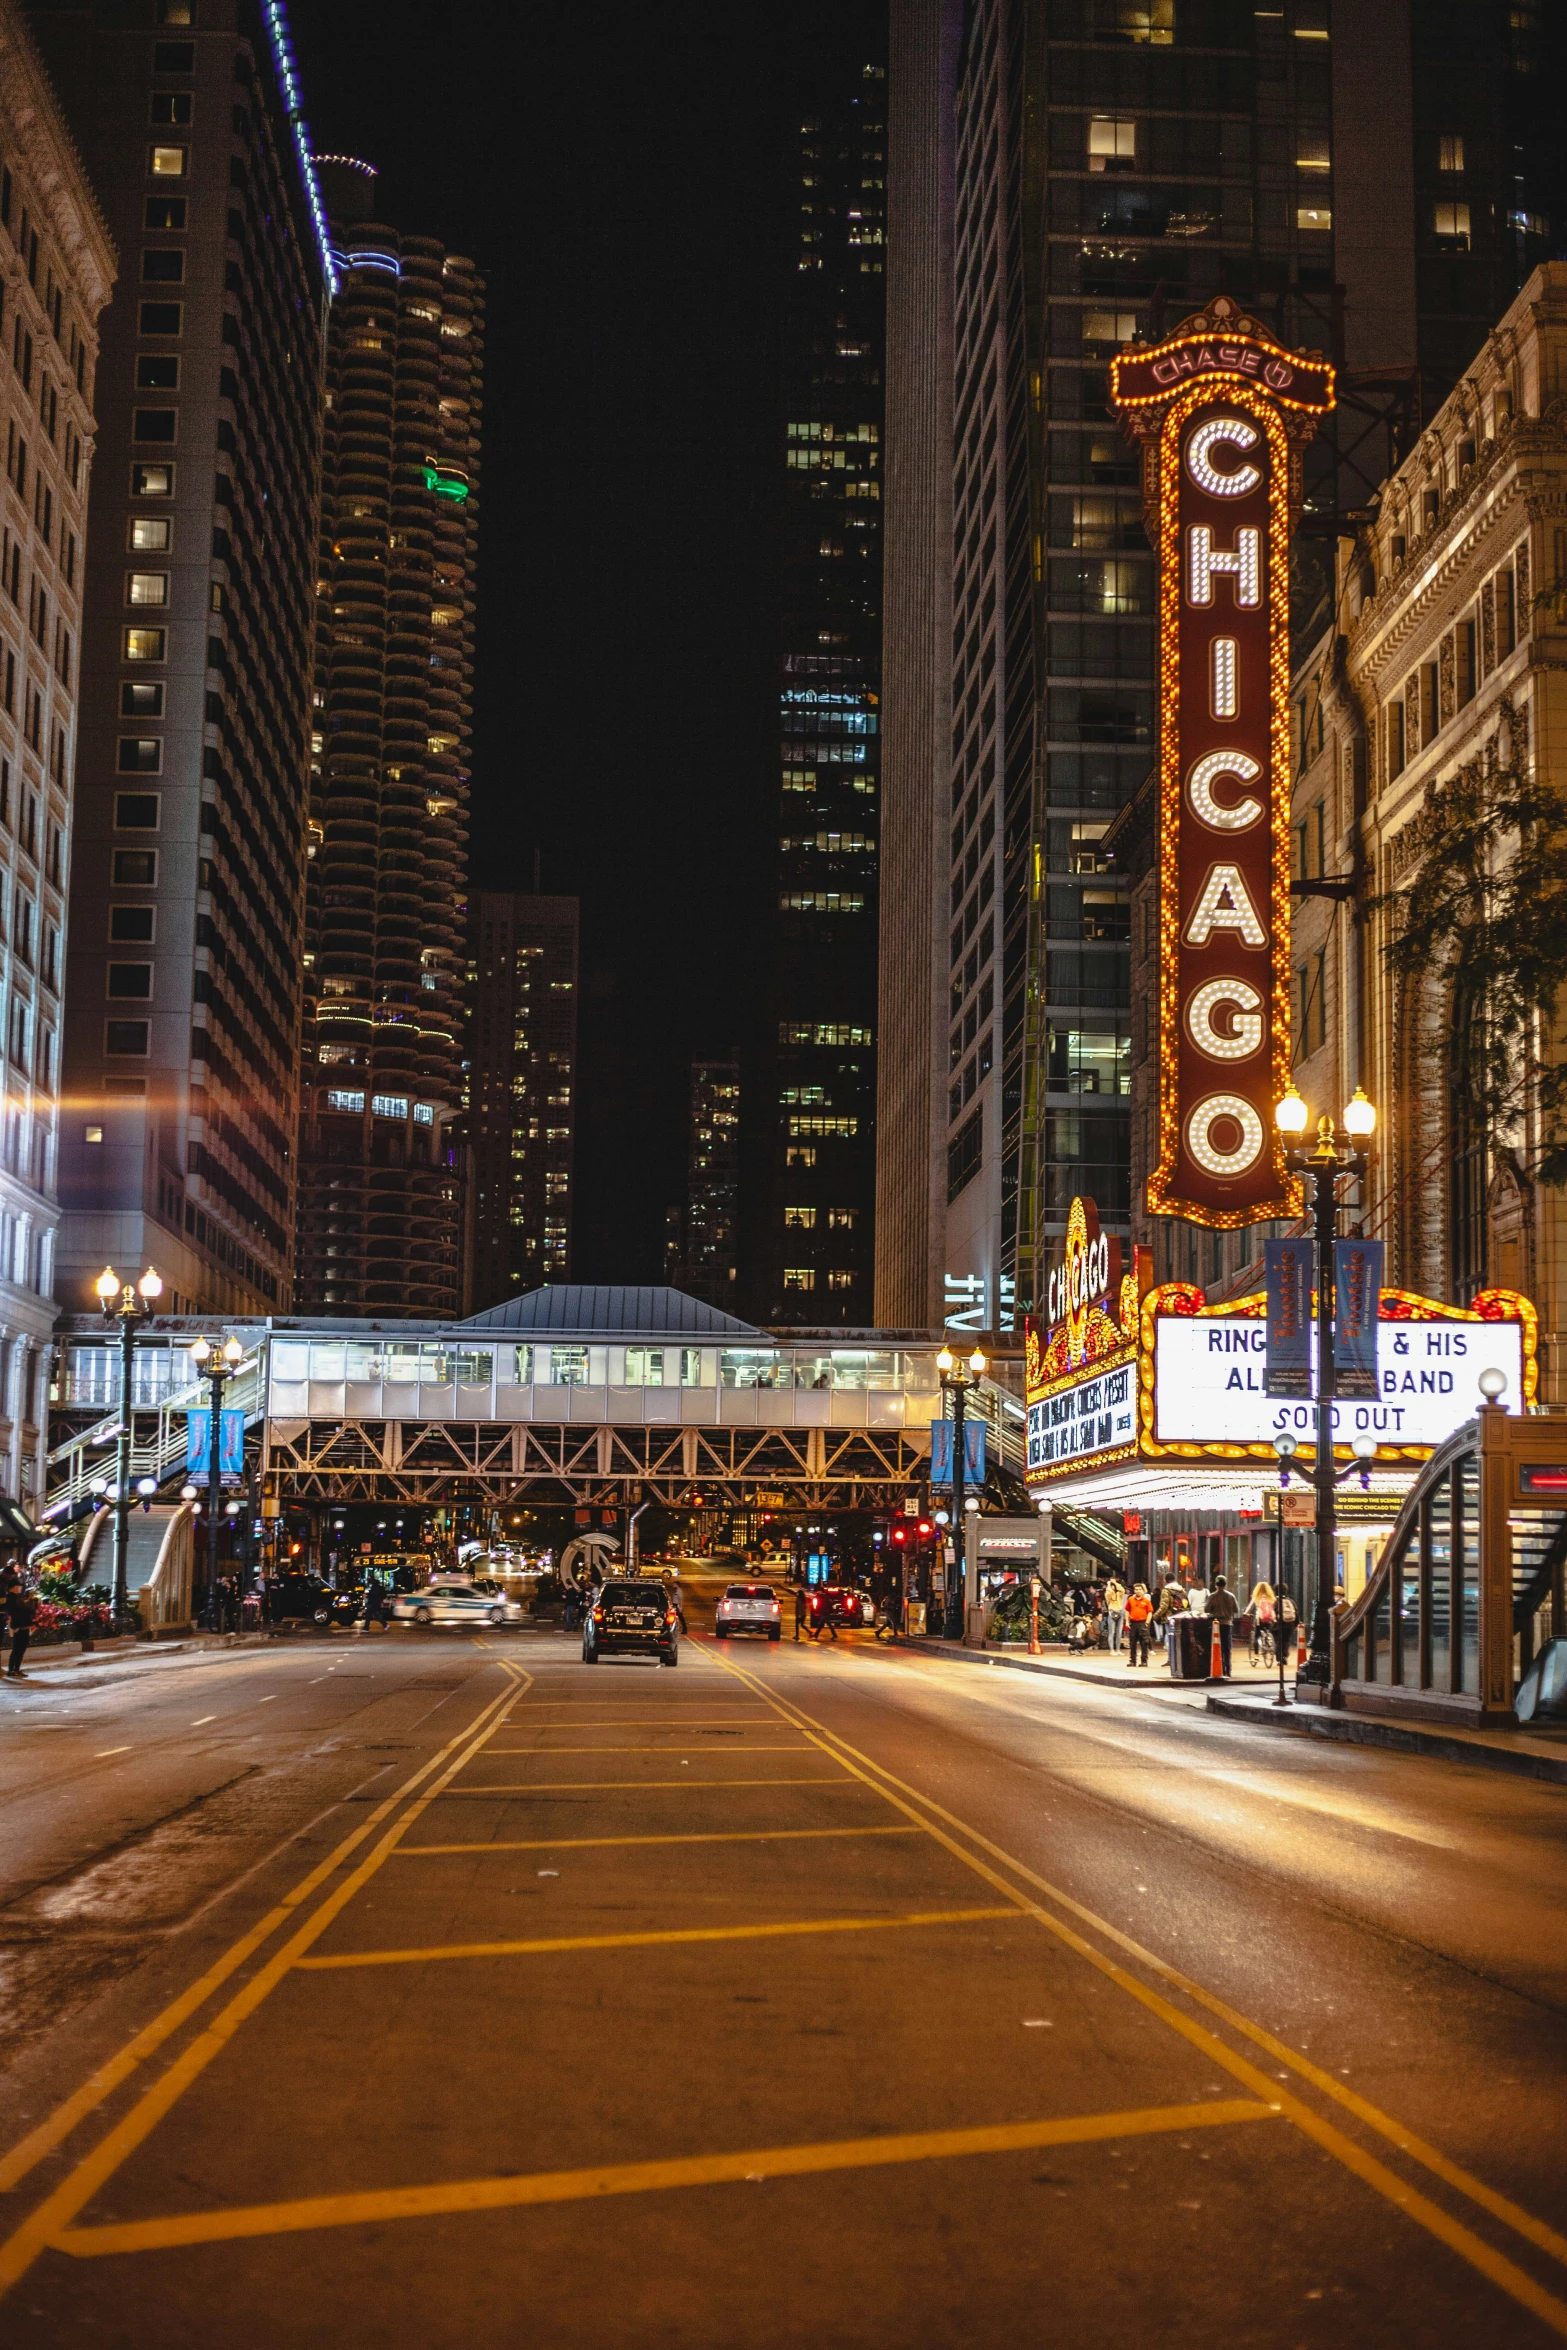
306	1598
633	1619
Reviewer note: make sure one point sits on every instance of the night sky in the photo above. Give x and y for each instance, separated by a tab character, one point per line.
620	176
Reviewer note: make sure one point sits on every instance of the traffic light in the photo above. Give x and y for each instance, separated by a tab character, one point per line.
900	1535
925	1529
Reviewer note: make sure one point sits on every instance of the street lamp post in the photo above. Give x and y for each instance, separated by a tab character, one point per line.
128	1306
217	1369
958	1382
1325	1164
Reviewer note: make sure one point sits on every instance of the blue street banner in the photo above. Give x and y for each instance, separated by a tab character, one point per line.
1287	1273
1357	1293
973	1452
231	1443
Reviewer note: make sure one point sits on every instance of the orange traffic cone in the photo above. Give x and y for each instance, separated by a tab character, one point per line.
1216	1655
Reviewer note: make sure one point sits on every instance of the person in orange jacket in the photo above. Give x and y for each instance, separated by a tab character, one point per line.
1139	1608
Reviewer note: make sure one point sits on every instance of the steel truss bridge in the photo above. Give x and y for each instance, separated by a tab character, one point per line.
568	1395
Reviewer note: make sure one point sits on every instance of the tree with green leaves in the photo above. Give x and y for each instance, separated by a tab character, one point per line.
1485	911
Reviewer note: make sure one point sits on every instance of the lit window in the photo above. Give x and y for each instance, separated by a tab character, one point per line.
93	1134
145	644
1149	22
803	1218
152	481
1450	152
1311	153
168	163
140	755
1313	216
149	534
1109	326
1112	138
842	1219
1452	220
799	1277
840	1280
147	587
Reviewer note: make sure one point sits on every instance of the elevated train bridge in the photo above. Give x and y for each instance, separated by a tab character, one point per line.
571	1395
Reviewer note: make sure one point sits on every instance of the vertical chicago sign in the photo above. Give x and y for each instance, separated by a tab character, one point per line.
1224	415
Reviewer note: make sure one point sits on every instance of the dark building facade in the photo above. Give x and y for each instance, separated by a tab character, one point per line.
186	896
811	1110
381	1220
521	1093
702	1252
1115	164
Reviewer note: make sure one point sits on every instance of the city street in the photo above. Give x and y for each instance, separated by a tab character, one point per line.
437	1988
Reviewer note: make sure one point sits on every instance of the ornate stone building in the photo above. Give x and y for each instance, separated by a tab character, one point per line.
57	265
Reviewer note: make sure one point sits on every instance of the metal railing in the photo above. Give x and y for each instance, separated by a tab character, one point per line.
158	1439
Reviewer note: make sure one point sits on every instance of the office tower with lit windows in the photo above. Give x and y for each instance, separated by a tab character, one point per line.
702	1253
186	893
521	1095
1096	170
381	1218
57	265
810	1185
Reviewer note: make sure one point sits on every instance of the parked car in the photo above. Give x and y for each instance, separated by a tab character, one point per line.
749	1607
631	1618
450	1600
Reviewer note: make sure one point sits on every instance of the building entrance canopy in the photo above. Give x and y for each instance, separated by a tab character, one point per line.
1144	1397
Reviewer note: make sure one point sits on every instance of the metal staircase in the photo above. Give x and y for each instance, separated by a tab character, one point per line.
158	1442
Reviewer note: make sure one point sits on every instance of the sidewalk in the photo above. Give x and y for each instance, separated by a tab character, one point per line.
1529	1754
1097	1667
132	1656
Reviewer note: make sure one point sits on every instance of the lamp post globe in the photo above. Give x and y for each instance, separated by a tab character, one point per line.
128	1304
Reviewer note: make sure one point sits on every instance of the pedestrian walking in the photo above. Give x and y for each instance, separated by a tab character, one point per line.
1287	1616
375	1601
677	1600
801	1610
1139	1608
1115	1611
821	1616
1224	1607
20	1609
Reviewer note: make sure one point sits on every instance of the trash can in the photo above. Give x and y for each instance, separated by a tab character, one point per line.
1191	1653
915	1619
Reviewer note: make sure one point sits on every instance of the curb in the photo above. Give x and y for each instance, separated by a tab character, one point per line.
1311	1721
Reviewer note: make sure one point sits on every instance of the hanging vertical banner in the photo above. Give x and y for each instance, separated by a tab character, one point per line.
231	1443
1224	414
1357	1293
1287	1275
973	1452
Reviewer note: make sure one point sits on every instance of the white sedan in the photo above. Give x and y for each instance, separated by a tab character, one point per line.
449	1601
749	1607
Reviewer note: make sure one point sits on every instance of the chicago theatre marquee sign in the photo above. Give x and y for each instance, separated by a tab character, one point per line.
1224	415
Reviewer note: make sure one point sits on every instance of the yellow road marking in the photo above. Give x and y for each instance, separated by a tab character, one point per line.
379	2205
649	1941
586	1843
1491	2264
57	2126
709	1754
580	1786
79	2186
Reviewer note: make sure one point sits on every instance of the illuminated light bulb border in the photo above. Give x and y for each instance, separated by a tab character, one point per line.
293	100
1163	1196
1233	377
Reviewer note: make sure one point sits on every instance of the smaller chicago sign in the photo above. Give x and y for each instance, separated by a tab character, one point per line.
1081	1362
1223	414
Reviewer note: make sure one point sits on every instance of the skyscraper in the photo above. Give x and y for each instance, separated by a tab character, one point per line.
521	1115
186	892
1117	163
811	1115
58	266
702	1256
380	1231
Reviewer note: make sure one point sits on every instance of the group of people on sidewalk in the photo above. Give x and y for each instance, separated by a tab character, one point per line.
1111	1613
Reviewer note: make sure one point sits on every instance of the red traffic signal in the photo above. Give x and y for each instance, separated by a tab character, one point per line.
925	1529
899	1534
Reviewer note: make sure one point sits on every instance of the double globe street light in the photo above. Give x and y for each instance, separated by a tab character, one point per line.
217	1367
130	1305
958	1382
1326	1163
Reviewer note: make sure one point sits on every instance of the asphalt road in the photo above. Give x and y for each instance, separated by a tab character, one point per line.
436	1990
